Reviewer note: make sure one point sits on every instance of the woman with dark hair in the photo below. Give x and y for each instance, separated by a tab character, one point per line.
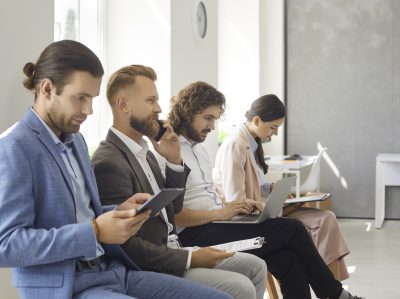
240	175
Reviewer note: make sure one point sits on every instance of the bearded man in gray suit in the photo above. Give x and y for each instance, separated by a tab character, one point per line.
124	166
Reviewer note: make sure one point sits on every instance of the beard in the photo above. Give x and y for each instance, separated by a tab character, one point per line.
147	126
194	135
59	121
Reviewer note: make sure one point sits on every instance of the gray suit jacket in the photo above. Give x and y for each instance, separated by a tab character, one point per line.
119	176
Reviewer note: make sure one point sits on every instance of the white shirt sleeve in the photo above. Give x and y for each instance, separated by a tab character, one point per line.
190	250
175	167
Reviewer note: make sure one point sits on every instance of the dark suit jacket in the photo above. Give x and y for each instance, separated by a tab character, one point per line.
119	176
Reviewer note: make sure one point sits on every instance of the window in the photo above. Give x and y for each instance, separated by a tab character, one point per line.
83	21
139	34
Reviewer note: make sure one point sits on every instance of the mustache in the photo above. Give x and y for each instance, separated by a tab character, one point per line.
206	130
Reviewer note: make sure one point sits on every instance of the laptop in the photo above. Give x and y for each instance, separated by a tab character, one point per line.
273	206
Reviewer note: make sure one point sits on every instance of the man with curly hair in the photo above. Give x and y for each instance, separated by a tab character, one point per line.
289	252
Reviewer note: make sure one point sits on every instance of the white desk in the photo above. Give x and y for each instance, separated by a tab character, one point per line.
278	164
387	174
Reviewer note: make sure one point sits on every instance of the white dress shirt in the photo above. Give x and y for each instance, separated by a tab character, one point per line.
199	194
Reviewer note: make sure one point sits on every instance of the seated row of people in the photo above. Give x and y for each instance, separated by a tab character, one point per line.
68	236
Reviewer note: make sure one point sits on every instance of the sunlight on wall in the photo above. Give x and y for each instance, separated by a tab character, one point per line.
238	59
333	167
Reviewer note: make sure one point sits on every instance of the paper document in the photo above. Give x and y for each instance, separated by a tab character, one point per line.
308	198
241	245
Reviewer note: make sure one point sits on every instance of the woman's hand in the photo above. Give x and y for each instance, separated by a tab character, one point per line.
289	209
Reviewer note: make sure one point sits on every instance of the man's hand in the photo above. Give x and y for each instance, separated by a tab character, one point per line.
134	201
257	206
208	257
234	208
169	146
116	227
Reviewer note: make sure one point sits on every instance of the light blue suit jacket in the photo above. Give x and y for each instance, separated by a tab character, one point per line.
39	236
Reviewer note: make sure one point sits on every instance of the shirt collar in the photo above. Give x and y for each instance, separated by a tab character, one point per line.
69	138
140	148
252	141
184	140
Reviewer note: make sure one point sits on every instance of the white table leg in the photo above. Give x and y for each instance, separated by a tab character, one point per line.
379	195
298	184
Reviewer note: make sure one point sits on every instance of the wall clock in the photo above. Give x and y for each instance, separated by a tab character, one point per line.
200	19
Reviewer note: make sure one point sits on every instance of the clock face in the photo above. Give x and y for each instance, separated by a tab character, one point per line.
201	19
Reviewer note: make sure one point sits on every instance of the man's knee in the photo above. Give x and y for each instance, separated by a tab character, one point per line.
250	265
330	215
283	262
291	223
259	267
262	268
241	287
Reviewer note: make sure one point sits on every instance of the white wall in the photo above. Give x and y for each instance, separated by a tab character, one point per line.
23	36
242	54
272	60
192	58
138	32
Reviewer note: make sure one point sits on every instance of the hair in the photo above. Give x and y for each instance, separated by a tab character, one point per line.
191	100
58	61
267	108
125	77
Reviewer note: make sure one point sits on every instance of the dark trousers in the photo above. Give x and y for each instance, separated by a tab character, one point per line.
289	252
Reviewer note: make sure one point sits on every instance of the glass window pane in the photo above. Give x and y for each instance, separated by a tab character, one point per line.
66	19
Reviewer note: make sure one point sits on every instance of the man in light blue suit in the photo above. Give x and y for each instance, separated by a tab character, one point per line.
55	234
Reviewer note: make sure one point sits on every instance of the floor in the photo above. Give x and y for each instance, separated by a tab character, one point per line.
374	261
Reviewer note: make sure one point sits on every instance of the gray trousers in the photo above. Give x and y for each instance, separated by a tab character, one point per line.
111	280
243	276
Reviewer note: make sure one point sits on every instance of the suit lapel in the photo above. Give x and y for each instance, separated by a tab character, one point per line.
133	162
41	132
155	169
135	165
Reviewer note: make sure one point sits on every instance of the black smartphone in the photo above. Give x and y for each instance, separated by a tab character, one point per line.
161	130
160	200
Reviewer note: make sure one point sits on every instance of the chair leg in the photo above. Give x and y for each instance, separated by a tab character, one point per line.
271	287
